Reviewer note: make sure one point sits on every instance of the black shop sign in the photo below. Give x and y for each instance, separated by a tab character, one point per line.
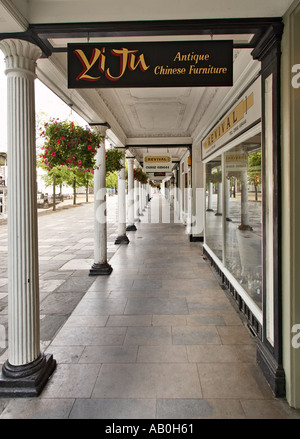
159	64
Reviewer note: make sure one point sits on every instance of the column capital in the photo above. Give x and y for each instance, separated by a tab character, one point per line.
130	160
20	55
101	128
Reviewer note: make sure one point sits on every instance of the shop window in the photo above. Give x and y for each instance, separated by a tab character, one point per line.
233	228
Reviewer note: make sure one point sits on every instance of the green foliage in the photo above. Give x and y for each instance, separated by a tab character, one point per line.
112	180
254	159
254	170
215	177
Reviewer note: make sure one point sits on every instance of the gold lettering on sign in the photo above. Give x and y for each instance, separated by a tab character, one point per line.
232	119
87	64
155	159
127	57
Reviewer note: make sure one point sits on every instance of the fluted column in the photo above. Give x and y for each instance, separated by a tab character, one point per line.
122	237
219	200
131	225
141	199
244	202
27	369
210	193
136	201
100	266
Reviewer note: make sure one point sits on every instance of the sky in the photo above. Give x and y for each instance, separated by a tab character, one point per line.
45	101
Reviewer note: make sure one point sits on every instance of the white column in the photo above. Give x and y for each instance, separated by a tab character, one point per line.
244	202
210	195
219	200
122	237
227	199
141	199
131	225
24	355
136	201
100	266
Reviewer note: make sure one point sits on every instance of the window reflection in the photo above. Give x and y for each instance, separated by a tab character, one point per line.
240	249
213	225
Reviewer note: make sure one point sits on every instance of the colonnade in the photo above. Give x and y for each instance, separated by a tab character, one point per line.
27	369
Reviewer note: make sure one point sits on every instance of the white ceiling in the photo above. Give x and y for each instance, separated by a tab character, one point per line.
62	11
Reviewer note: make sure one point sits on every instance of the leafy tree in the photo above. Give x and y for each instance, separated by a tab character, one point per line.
254	171
112	180
85	180
54	177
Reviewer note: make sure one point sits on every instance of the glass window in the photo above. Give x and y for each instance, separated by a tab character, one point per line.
233	228
213	223
243	208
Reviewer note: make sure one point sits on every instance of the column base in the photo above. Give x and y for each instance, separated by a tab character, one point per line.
100	269
245	227
131	228
272	371
123	239
194	238
137	220
26	380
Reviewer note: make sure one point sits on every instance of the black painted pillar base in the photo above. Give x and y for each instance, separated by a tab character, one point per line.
272	371
100	269
26	380
123	239
131	228
196	238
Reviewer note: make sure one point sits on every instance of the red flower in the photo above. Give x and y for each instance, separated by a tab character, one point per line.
54	154
89	146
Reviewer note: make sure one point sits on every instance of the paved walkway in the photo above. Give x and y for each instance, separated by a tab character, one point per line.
158	338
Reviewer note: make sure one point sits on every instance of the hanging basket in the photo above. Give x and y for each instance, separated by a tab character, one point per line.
139	175
68	144
114	159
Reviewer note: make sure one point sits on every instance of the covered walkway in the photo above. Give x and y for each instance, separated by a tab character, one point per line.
158	338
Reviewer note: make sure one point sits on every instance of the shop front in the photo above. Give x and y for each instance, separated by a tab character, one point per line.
240	215
233	213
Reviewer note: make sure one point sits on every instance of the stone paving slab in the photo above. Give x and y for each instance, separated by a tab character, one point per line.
156	339
65	256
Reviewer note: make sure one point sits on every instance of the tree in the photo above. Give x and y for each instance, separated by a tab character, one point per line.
85	180
54	177
254	171
112	180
